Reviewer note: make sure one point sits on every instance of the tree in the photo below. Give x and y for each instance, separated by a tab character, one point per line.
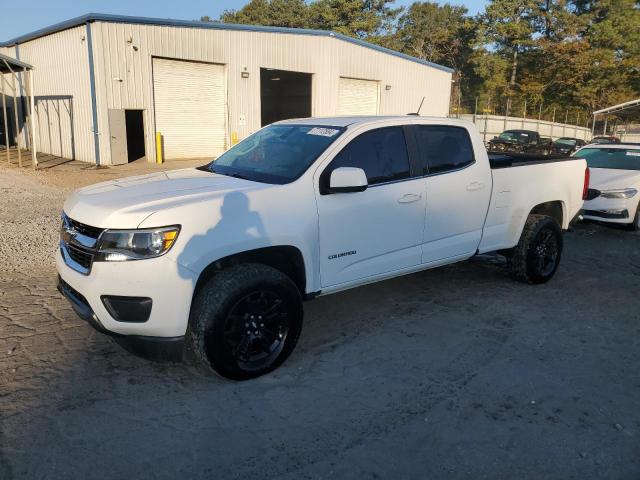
276	13
508	27
441	34
365	19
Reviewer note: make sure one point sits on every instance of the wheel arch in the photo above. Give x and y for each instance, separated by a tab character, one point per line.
285	258
554	209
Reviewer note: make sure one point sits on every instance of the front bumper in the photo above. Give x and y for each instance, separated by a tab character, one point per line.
612	210
153	348
167	285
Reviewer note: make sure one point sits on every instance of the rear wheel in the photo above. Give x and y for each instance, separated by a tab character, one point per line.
246	321
536	257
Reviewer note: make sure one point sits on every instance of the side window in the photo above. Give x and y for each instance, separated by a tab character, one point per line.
381	153
444	148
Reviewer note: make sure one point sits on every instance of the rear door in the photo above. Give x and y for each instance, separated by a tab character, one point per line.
369	233
458	190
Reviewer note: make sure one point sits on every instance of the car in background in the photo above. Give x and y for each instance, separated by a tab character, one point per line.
614	184
566	145
520	141
605	139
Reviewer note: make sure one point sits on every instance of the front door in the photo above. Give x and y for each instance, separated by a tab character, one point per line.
369	233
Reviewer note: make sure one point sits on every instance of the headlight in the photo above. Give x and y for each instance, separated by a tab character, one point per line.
624	193
123	245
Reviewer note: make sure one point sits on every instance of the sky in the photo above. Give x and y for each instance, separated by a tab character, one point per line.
26	16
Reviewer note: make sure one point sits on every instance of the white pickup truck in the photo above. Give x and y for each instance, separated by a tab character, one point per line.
216	261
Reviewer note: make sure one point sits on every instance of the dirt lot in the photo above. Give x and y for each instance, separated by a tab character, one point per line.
452	373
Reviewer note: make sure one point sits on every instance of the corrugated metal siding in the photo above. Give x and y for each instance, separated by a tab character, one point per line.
124	73
63	99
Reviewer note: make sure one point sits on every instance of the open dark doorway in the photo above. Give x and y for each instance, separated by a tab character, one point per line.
135	134
284	94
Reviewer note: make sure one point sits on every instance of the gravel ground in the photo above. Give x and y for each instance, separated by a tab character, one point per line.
455	373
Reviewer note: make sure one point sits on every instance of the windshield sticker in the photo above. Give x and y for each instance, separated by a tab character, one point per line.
633	154
323	132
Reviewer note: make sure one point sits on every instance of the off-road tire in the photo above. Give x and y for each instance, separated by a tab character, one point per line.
521	258
210	315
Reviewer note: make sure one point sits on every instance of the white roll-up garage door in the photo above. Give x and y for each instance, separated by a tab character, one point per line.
190	107
357	97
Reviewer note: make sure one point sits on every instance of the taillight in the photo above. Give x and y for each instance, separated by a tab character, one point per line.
585	189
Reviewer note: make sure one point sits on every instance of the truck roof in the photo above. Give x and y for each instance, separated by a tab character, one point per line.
520	131
363	120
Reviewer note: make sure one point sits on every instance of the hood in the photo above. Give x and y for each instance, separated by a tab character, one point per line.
613	179
126	202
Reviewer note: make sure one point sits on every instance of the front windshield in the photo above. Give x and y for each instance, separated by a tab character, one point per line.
566	141
276	154
616	158
519	137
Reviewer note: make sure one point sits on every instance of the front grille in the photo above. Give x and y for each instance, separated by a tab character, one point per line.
78	244
88	230
81	256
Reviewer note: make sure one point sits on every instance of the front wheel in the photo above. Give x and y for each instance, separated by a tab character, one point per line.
536	257
245	321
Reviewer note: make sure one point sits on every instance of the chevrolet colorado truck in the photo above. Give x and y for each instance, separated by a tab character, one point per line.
214	262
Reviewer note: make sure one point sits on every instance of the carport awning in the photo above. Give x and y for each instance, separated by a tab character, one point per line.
8	64
17	72
629	108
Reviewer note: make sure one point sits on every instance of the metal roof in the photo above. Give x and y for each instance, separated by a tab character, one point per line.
16	65
102	17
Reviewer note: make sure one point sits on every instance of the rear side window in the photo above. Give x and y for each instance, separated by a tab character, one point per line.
443	148
381	153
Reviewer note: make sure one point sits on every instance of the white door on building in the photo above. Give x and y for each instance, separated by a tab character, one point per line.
190	108
357	97
118	137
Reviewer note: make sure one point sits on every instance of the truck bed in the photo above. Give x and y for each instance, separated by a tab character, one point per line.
501	160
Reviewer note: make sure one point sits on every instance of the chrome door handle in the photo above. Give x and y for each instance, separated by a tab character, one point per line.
475	186
409	197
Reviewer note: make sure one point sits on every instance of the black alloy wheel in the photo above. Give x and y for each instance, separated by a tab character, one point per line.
256	329
543	255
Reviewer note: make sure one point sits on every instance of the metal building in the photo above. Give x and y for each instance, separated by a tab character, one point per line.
107	84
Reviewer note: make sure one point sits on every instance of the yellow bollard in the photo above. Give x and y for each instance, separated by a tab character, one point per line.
159	156
234	138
